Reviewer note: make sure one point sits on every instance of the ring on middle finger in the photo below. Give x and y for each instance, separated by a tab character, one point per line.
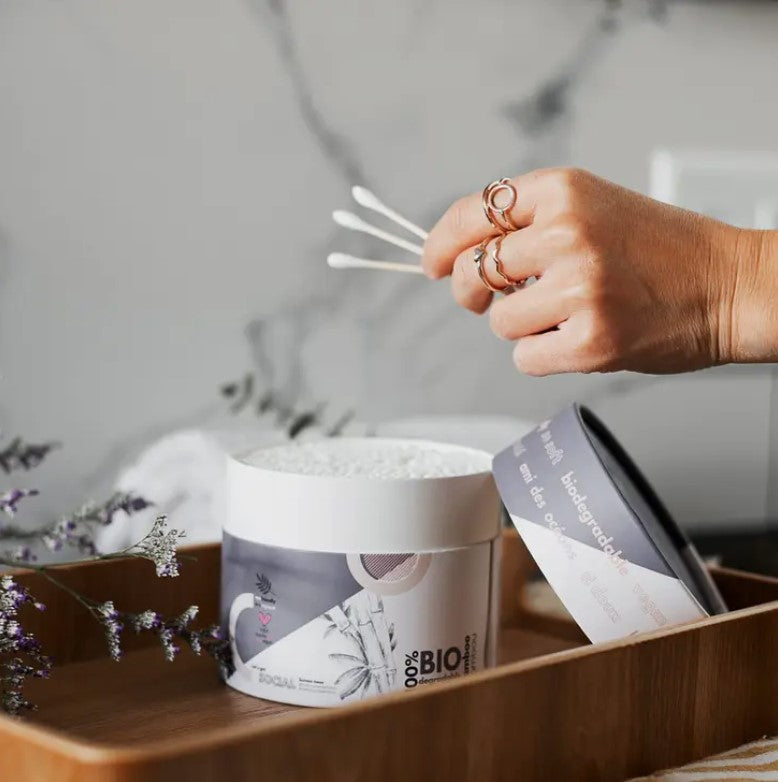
478	259
498	267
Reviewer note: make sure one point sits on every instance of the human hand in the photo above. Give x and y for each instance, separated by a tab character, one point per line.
623	281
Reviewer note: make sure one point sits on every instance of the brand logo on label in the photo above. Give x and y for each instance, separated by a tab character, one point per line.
266	602
266	593
276	681
439	662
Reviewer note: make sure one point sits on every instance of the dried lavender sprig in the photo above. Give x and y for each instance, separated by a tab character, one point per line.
239	392
159	547
9	501
244	392
302	421
74	531
18	455
26	657
168	629
209	639
336	430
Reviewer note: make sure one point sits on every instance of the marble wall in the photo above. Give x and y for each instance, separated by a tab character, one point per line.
167	171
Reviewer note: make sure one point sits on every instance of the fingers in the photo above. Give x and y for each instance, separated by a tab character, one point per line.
531	310
552	353
521	255
541	354
466	286
465	225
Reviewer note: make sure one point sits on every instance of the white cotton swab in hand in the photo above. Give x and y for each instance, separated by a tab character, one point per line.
367	199
343	261
355	223
351	221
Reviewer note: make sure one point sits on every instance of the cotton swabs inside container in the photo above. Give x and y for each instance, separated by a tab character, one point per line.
355	223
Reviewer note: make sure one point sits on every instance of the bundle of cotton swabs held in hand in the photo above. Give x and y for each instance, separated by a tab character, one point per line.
355	223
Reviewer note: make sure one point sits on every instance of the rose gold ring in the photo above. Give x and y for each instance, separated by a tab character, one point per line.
498	215
478	259
498	267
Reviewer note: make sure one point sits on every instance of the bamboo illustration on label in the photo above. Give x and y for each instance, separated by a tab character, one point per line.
361	622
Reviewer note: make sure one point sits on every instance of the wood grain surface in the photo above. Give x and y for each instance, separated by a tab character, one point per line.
554	709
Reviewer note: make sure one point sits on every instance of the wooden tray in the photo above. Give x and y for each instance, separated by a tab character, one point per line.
555	709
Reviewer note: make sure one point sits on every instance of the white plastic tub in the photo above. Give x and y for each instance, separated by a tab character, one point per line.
344	583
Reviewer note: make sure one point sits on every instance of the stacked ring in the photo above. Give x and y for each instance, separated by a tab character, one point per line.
510	282
478	259
500	219
498	215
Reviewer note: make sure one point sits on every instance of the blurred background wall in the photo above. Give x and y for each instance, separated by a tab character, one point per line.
168	169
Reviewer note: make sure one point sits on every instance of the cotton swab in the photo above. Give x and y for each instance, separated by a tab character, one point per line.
343	261
350	220
367	199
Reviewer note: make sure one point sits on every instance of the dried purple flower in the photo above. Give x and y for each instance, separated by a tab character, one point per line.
159	546
15	641
58	534
170	649
221	651
126	502
186	618
239	392
107	614
74	531
146	620
9	501
19	455
21	556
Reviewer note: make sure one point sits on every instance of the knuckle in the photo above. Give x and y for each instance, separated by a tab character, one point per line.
566	178
601	348
593	289
565	231
566	186
575	232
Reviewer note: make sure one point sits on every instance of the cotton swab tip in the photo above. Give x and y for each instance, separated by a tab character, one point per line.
365	198
344	218
339	261
355	223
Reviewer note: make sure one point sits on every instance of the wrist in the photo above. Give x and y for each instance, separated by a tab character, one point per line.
752	303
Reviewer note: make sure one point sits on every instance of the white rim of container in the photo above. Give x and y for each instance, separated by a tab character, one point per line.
359	514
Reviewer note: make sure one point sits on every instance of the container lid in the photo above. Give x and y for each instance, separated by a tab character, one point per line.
367	509
669	539
588	514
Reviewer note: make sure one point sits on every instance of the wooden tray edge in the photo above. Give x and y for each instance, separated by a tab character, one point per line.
91	753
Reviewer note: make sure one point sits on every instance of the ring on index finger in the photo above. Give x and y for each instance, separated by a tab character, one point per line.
498	215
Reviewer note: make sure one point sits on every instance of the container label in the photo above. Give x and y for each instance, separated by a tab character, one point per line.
321	628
